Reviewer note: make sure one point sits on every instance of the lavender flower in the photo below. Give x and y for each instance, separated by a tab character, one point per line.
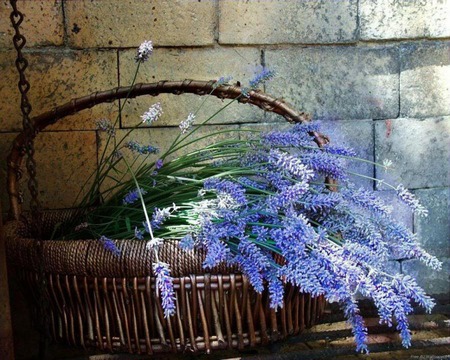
154	243
261	77
164	283
116	155
133	196
186	124
291	164
217	251
81	226
253	263
339	150
153	114
285	139
159	216
368	200
106	126
109	245
325	164
222	80
276	289
144	51
134	146
159	164
227	187
187	242
411	201
138	234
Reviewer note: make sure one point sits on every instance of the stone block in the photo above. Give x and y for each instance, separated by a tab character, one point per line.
56	78
293	22
337	82
418	149
127	23
425	79
404	19
434	230
42	25
198	64
432	281
64	161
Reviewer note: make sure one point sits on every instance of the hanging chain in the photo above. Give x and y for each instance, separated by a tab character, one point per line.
19	42
25	106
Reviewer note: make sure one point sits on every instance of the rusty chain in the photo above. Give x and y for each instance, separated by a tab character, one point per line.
19	42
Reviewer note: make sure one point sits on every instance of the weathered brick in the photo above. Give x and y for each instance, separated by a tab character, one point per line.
161	138
404	19
56	78
42	24
198	64
299	22
64	160
418	148
432	281
434	230
126	23
337	82
425	79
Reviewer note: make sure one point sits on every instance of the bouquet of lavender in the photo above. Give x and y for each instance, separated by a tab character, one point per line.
254	195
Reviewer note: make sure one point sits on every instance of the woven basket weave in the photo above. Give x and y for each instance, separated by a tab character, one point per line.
99	299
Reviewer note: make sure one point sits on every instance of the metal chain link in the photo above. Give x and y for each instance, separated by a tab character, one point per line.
19	42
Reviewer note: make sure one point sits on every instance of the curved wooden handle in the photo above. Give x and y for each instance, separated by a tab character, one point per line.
225	91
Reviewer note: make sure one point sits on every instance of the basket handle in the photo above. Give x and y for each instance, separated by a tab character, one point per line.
225	91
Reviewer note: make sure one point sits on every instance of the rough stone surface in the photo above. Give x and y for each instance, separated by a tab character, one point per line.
56	78
42	24
198	64
434	230
432	281
404	19
64	161
418	148
425	79
126	23
337	82
299	22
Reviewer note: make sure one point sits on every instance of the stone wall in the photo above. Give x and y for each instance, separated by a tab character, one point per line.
375	73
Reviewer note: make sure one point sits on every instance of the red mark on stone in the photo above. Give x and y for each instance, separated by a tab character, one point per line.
388	127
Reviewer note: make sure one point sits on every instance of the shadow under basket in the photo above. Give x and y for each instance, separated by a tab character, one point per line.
97	298
89	306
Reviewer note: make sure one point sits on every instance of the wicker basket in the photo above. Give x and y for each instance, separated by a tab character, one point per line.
97	299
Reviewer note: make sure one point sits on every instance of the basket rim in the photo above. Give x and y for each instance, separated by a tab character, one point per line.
199	87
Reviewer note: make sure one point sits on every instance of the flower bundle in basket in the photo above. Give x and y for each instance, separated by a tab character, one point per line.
271	205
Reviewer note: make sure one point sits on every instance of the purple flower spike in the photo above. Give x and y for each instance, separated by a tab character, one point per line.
109	245
164	283
132	196
144	51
